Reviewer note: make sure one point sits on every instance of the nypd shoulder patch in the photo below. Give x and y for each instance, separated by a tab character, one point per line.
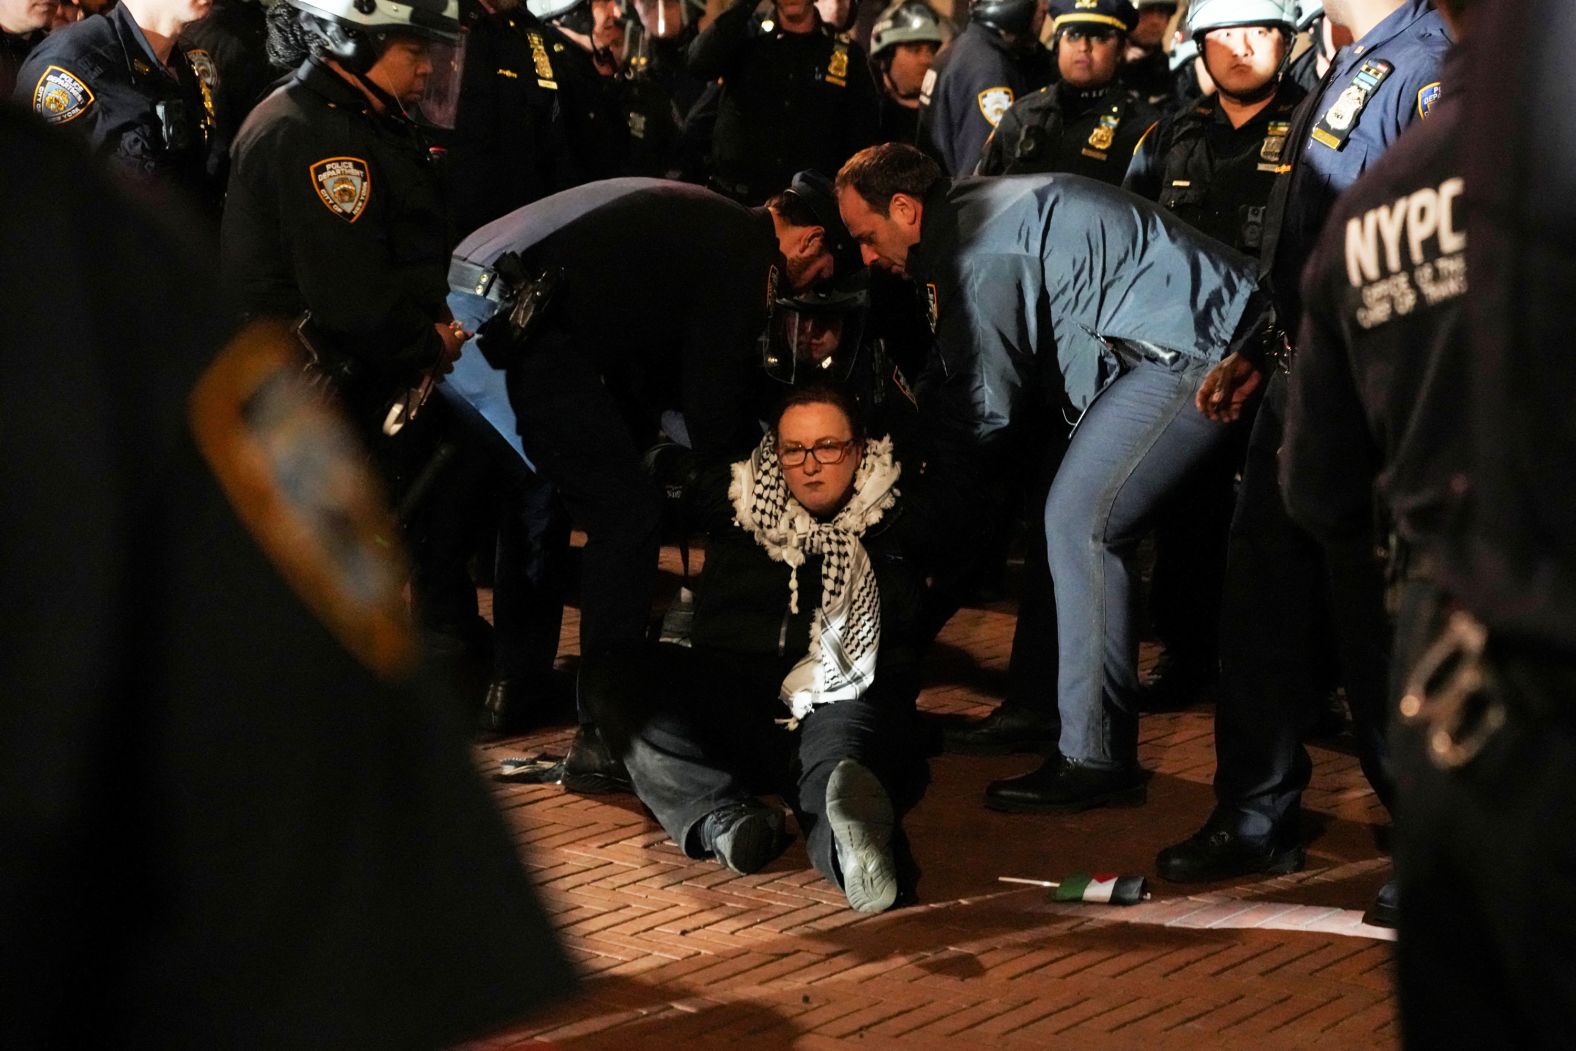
994	103
60	96
1427	97
343	184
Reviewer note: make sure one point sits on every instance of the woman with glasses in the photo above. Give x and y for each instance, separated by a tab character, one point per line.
800	671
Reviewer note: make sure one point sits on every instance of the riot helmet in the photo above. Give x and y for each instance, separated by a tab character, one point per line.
355	33
905	22
1308	12
1006	16
817	335
1208	15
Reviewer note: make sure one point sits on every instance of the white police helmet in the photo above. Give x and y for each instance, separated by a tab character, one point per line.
1206	15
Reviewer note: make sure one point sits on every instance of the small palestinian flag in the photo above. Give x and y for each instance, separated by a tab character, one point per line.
1108	889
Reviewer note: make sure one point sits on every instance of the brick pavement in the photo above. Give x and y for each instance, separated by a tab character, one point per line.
676	952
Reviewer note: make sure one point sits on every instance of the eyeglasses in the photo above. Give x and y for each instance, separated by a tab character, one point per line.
825	453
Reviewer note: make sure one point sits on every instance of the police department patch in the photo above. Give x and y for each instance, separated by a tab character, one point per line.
60	97
994	103
1427	97
343	184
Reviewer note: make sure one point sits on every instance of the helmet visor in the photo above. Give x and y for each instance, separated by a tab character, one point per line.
806	345
439	101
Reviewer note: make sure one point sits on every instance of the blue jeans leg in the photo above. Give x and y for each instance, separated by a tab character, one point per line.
1135	446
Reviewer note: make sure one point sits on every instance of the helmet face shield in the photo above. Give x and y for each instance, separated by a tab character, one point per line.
807	341
439	103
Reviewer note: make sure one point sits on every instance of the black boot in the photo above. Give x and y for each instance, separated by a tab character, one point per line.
1217	851
1010	728
1064	784
590	767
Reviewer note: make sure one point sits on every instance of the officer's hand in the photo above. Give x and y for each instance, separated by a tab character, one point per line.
1227	388
453	334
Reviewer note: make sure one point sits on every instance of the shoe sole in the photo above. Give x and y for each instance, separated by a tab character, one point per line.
1135	796
860	814
1285	862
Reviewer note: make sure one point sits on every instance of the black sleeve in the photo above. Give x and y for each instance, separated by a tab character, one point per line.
994	155
346	271
1144	173
863	126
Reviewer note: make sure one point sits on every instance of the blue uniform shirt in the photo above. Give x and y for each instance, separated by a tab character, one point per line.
1338	137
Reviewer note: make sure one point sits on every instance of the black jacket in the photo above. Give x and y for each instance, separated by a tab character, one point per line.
741	598
666	289
1212	176
335	209
100	79
789	101
234	36
1058	129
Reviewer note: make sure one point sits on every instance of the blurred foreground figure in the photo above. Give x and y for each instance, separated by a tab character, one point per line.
232	815
1484	750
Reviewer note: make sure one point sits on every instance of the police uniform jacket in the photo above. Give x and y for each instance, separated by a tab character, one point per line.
1374	90
666	289
595	120
1213	176
658	91
1030	278
1061	129
335	209
974	80
789	101
510	145
234	36
100	78
1378	389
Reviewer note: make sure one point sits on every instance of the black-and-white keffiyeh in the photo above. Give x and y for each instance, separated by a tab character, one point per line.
845	631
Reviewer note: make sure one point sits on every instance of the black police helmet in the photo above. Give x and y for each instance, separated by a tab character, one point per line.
1006	16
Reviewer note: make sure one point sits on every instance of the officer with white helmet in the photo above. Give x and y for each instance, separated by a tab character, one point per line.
903	46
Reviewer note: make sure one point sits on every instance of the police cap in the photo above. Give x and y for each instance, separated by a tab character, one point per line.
815	190
1120	15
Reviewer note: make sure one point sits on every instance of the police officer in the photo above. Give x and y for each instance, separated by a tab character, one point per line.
1376	396
903	46
1084	124
586	39
1213	165
795	95
995	61
233	41
1485	759
659	89
139	98
696	274
334	220
1279	580
1133	306
23	24
511	143
1146	68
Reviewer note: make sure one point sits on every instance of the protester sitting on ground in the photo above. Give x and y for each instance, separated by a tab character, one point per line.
801	670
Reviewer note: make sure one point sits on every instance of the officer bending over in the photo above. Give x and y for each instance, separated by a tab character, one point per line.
1135	307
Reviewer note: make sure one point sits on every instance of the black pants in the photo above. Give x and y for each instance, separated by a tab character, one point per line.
1282	587
1486	858
530	579
696	730
582	442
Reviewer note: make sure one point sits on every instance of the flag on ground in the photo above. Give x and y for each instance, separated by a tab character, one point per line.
1106	888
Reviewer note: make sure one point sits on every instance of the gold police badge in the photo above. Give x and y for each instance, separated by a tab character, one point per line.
343	184
60	97
1274	141
837	66
1104	133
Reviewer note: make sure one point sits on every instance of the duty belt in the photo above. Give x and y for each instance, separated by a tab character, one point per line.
477	280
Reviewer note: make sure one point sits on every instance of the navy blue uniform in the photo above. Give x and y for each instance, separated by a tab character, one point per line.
975	79
1058	129
1212	176
1284	590
666	288
1485	962
789	101
1052	289
14	49
100	79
